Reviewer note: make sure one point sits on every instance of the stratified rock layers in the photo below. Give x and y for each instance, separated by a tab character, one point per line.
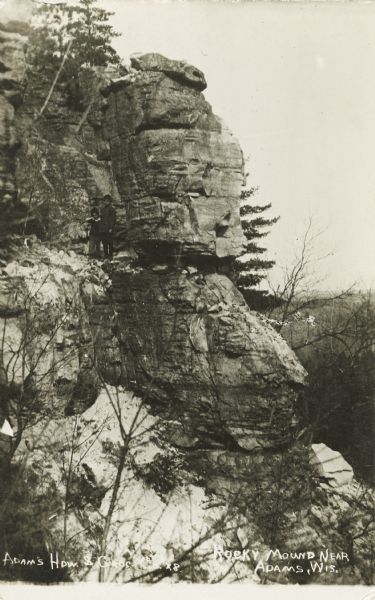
178	169
191	344
207	441
188	341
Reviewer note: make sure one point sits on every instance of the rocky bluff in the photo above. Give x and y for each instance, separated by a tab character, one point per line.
166	336
178	169
188	339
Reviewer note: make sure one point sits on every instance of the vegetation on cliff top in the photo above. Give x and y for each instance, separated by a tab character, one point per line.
78	35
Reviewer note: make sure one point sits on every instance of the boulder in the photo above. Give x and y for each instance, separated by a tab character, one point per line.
176	69
196	352
330	465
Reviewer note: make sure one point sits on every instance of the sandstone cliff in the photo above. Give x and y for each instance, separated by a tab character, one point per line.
179	170
144	394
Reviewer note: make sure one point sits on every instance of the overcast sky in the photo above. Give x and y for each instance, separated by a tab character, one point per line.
296	84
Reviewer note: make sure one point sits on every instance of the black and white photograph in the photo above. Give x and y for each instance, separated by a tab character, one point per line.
187	312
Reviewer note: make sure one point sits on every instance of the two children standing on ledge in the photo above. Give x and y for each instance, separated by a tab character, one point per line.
101	228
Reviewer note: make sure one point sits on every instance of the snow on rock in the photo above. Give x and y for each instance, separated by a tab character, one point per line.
51	276
331	465
150	529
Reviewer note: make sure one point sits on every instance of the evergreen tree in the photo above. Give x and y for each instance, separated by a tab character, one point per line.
250	268
80	31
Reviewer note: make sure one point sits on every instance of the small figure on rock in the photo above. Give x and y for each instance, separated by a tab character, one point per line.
93	223
107	226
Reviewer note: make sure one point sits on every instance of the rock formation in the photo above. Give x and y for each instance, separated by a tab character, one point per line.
53	158
151	385
178	169
189	342
191	345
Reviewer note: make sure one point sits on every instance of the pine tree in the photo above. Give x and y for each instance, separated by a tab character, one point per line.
80	31
250	268
92	35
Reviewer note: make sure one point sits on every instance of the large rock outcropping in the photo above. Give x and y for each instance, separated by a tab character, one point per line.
53	158
178	169
150	395
191	345
188	340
